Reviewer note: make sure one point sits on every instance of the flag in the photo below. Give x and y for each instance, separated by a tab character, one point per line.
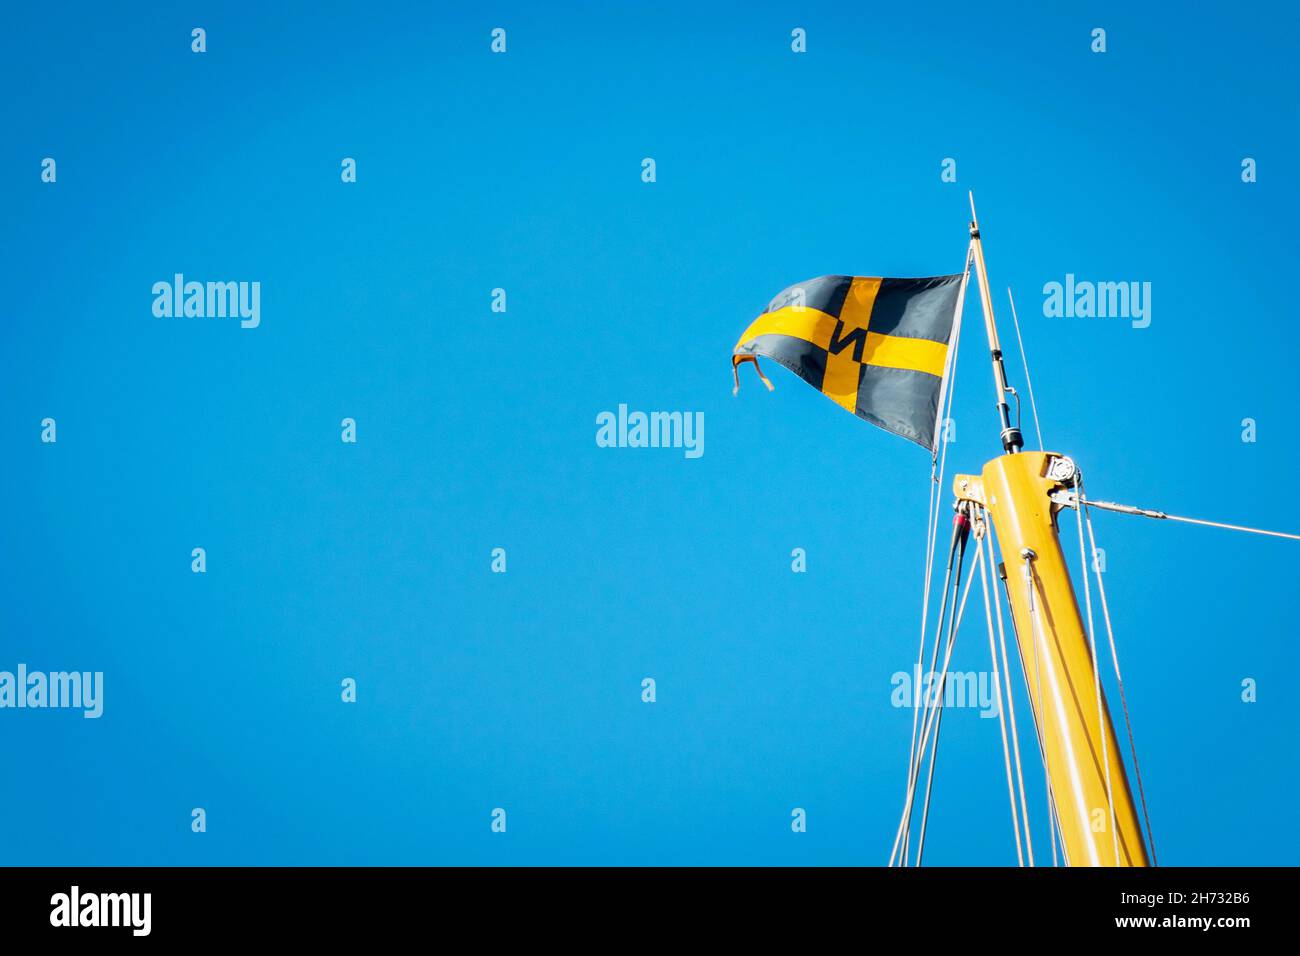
877	347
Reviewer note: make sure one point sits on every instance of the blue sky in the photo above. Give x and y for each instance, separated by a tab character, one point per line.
476	430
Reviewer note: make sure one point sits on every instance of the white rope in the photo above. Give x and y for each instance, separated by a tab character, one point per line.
948	390
1070	759
919	711
1033	406
1038	729
1096	677
938	706
1011	705
929	723
903	835
923	707
1057	835
929	785
1114	656
997	687
948	384
932	534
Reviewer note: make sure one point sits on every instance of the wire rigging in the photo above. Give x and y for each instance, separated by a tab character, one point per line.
1029	382
929	714
1011	703
1052	821
939	458
1119	680
954	624
1096	675
916	700
1150	513
986	573
913	757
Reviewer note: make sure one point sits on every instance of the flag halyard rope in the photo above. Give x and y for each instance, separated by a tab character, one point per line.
938	457
955	619
1011	703
987	573
933	702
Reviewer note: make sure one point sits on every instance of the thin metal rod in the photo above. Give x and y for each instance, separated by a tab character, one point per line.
1012	441
1148	513
1024	360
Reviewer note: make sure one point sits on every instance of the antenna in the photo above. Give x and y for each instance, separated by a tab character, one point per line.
1024	360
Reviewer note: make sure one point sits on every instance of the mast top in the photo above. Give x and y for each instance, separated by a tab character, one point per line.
1012	441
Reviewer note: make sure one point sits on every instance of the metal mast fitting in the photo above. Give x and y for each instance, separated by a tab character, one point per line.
1071	716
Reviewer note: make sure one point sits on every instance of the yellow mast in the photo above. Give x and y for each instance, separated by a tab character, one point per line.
1089	787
